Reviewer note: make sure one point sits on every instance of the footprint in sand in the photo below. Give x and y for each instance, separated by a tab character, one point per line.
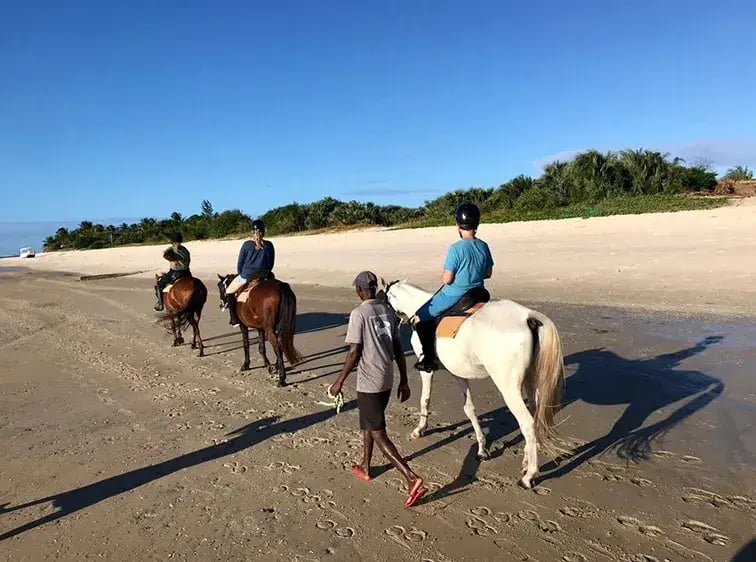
326	525
300	492
664	454
643	558
235	467
708	533
280	489
642	528
574	557
542	490
480	527
344	532
641	482
690	459
404	537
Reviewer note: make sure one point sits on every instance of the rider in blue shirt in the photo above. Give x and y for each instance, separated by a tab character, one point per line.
256	260
468	263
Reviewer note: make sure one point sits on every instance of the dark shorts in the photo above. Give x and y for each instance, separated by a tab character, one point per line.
372	406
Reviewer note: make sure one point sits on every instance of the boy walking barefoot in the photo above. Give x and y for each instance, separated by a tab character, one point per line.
374	345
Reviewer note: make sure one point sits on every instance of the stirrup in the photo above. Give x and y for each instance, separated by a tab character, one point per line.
427	366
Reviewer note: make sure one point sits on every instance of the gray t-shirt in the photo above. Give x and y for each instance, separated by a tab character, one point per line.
376	326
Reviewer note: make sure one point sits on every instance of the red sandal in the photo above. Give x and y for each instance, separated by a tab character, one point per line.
417	492
359	473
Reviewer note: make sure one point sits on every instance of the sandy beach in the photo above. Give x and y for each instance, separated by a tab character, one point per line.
696	261
118	446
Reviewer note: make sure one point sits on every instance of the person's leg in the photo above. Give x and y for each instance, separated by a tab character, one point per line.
231	291
366	408
426	328
159	286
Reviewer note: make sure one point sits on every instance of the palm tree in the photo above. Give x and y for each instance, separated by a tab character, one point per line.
739	173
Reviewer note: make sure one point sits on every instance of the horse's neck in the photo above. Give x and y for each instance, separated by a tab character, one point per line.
413	298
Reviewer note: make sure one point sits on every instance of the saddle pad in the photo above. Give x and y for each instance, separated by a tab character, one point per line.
244	294
448	326
168	288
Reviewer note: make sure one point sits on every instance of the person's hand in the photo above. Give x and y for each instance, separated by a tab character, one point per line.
334	389
403	392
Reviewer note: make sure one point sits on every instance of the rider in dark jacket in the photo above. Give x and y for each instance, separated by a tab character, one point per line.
180	258
256	261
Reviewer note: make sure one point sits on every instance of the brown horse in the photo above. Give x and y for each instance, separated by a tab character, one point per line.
271	309
183	305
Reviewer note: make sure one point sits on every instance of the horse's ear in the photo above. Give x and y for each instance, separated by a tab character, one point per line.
383	282
219	276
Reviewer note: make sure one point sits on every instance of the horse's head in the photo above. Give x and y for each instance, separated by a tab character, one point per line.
223	282
394	294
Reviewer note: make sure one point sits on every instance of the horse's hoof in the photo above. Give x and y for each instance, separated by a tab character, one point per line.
271	370
194	345
416	434
525	485
201	353
244	368
281	383
484	455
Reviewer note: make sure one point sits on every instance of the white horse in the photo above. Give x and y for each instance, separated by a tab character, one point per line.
519	348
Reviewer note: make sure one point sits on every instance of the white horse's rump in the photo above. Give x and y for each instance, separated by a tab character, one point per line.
519	348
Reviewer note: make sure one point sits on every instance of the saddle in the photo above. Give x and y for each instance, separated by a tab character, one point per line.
243	295
448	324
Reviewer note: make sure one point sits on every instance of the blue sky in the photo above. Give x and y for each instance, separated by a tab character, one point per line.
138	108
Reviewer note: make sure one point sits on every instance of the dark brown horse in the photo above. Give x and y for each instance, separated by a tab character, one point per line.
271	309
183	305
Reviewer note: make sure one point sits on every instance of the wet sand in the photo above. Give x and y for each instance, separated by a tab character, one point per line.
118	446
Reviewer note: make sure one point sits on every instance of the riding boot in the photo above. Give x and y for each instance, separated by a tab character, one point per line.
426	331
159	295
231	300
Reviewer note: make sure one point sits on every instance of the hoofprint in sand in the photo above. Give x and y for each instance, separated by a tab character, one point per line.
696	261
116	445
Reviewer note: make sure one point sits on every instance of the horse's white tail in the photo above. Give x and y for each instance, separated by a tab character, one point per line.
546	376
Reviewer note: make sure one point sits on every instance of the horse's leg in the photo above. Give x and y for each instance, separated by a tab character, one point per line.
245	344
263	352
280	368
177	340
509	386
427	384
197	342
469	409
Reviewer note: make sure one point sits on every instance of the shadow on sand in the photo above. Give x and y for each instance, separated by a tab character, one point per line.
603	378
81	498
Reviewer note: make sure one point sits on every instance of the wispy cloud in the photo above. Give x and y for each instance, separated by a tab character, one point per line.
720	154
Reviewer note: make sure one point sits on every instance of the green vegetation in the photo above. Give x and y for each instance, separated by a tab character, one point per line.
739	173
592	184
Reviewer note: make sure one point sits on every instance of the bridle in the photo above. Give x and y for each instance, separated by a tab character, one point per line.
403	318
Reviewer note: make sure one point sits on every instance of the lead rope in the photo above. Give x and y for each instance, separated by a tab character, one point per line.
334	401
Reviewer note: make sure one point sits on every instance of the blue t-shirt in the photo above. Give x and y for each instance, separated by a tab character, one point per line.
468	260
251	259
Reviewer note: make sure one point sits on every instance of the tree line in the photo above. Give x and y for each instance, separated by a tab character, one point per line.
591	176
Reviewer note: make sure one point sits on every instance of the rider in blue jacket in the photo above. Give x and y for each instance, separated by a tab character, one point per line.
468	263
256	260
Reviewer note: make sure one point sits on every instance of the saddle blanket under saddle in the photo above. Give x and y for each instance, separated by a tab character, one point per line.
448	326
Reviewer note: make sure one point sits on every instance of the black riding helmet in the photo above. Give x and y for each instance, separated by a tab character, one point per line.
259	225
177	238
467	216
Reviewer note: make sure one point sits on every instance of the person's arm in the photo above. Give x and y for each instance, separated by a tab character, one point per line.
403	392
351	361
451	263
354	339
489	264
271	256
242	258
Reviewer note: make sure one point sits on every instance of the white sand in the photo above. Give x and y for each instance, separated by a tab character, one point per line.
694	261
